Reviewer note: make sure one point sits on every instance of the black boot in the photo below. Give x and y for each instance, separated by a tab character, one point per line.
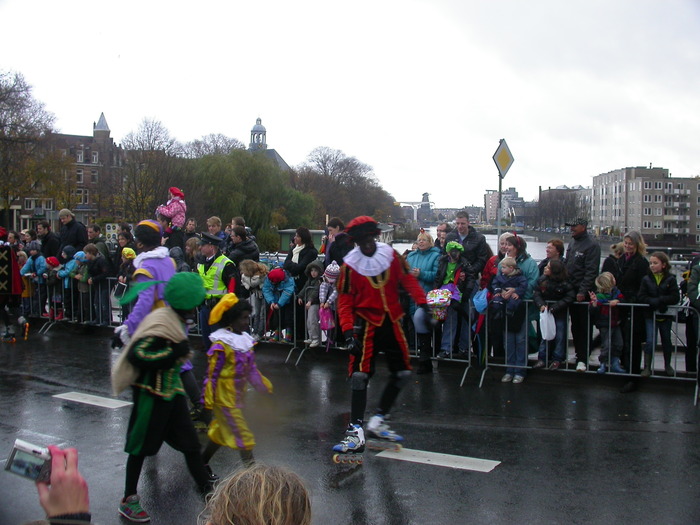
425	347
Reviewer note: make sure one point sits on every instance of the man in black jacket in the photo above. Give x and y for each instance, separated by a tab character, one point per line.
50	242
242	246
73	233
582	265
474	243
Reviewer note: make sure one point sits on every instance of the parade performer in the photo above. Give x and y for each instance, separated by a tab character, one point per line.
153	263
10	286
151	364
231	367
174	213
370	317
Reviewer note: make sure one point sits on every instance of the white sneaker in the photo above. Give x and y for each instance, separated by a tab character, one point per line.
307	341
314	344
518	380
581	367
507	378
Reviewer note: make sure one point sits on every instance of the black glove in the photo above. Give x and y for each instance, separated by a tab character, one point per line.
430	321
116	342
351	343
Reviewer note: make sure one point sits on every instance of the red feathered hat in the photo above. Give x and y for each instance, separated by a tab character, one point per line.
361	226
177	192
52	261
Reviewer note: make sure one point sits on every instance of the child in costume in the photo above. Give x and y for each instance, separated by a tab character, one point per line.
231	367
151	363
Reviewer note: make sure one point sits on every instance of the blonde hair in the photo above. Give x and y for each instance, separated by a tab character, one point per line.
214	221
260	495
426	236
605	282
617	249
509	261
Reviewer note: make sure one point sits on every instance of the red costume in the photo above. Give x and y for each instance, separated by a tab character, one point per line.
375	297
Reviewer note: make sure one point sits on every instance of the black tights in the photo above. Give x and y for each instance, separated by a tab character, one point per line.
211	448
134	464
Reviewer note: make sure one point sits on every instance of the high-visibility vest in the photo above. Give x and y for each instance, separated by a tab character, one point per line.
213	283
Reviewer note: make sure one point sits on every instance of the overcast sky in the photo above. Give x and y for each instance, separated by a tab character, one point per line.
420	90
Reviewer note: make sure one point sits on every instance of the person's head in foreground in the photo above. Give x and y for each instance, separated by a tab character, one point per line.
259	495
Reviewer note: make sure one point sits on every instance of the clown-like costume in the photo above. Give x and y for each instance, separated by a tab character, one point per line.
231	367
370	313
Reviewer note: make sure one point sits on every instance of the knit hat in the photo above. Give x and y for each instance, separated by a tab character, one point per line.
361	226
69	251
80	256
276	276
33	245
65	212
52	261
454	245
185	291
128	253
177	192
332	272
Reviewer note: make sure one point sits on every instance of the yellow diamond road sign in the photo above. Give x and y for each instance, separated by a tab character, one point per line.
503	158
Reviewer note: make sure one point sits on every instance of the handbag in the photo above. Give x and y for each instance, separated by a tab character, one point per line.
326	319
547	325
481	300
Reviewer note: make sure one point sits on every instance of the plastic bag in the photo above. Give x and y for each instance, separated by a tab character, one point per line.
326	318
481	300
547	325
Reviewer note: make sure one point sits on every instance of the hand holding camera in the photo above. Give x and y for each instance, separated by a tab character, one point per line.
66	492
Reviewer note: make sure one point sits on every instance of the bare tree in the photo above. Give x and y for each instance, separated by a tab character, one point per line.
212	144
153	164
24	127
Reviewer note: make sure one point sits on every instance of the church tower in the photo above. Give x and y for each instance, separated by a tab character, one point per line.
258	137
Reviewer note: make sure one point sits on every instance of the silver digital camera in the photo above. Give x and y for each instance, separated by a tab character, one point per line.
29	461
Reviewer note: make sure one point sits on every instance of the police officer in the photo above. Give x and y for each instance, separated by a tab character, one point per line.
220	277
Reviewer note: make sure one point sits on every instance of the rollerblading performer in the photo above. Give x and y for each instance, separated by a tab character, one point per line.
370	319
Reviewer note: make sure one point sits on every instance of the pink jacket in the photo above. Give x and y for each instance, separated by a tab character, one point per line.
175	209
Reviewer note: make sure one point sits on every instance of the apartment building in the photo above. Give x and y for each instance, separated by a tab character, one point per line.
664	209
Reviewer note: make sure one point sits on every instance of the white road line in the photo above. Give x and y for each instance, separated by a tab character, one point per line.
441	460
89	399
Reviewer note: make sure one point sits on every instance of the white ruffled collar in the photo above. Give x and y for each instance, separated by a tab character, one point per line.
370	266
243	342
157	253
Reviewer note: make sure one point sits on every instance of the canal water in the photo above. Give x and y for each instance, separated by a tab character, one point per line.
535	248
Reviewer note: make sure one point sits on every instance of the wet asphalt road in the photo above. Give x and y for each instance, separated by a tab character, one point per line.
572	448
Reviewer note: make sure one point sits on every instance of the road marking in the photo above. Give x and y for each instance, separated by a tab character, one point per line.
93	400
441	460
